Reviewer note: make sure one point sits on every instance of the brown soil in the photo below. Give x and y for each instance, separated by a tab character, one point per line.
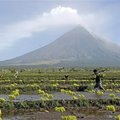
81	113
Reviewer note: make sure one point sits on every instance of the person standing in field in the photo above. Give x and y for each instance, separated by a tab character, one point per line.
98	80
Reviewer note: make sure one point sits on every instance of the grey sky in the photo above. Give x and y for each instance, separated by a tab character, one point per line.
26	25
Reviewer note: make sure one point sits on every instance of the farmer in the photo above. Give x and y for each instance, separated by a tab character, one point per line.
98	80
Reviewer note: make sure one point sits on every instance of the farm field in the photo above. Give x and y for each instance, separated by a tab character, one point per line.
58	94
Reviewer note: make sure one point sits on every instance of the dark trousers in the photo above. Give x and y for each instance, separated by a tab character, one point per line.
99	85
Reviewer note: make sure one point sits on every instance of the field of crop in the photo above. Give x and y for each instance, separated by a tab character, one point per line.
58	94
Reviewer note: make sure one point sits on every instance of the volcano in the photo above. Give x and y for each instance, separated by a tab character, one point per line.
77	47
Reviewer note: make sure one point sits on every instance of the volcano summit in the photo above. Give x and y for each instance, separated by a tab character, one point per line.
78	47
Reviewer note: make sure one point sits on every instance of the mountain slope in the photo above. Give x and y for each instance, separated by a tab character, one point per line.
77	47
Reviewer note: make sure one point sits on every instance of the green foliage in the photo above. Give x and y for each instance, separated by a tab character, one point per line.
12	97
43	81
112	95
117	117
14	94
69	117
59	109
100	93
110	108
45	95
2	100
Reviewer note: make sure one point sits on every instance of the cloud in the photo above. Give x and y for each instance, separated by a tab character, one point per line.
57	17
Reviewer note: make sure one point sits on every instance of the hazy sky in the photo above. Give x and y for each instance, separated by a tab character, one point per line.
26	25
